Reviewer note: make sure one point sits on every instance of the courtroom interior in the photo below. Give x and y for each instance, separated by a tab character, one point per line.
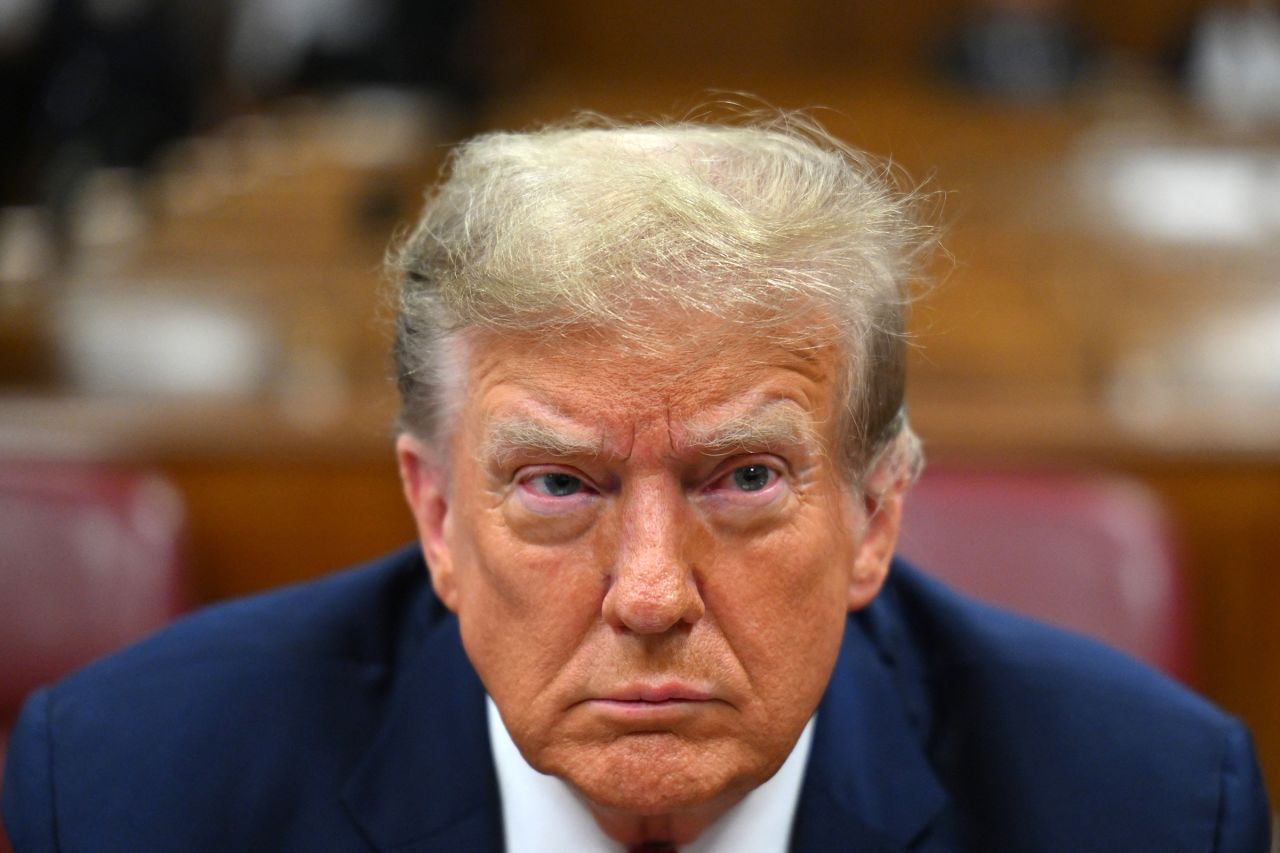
196	199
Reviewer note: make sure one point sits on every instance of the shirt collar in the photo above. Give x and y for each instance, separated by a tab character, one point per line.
542	813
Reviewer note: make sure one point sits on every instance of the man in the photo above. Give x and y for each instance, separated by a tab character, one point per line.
654	443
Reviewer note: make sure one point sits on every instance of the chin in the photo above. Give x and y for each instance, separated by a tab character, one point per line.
653	774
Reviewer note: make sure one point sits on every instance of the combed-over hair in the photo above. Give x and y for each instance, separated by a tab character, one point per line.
587	223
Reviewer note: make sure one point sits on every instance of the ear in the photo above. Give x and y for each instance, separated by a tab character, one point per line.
423	479
881	519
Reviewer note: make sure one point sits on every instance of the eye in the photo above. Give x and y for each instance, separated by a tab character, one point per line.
556	484
550	503
752	478
753	483
548	489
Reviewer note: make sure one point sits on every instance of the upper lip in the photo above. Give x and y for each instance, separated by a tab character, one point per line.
659	692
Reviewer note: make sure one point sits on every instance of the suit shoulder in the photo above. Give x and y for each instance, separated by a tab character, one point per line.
1047	734
318	650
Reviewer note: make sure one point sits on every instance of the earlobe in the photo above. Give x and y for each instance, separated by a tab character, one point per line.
875	551
423	480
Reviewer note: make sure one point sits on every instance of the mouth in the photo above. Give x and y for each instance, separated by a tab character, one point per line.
667	702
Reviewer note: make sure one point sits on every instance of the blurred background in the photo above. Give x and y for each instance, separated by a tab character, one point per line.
195	197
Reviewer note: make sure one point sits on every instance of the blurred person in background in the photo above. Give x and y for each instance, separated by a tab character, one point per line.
1233	62
654	441
93	83
101	84
283	45
1027	50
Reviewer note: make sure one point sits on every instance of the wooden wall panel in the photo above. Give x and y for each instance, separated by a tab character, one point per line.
260	524
636	37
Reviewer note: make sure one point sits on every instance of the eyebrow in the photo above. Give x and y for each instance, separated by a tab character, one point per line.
778	423
518	434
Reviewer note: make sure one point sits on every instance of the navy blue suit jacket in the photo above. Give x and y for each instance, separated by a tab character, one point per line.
344	715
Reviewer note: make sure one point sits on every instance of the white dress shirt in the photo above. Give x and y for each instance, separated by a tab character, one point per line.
541	814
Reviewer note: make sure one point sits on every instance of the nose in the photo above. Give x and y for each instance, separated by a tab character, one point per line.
653	587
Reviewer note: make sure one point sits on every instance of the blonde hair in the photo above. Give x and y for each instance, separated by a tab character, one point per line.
594	221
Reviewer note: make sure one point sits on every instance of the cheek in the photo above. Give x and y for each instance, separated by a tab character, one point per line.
523	608
802	567
781	603
531	580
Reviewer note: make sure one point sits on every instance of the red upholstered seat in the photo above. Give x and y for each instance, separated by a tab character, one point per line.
1092	553
90	559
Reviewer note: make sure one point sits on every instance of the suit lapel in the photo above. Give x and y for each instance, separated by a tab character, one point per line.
427	782
868	786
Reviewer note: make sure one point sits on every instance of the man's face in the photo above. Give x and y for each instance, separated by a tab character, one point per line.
651	557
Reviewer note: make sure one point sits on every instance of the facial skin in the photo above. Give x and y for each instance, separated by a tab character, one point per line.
651	558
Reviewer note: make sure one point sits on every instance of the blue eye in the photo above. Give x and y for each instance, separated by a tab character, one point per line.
751	478
557	485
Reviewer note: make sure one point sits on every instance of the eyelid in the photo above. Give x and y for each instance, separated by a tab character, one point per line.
526	472
745	460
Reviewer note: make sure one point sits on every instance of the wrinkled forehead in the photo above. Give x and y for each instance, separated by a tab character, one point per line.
661	346
697	374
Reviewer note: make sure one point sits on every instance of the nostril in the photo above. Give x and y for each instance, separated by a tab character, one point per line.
647	621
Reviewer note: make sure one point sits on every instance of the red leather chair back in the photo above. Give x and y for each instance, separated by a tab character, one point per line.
1089	553
90	559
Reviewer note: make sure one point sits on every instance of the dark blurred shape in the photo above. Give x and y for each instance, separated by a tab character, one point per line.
1025	50
95	83
87	85
90	559
24	63
1088	553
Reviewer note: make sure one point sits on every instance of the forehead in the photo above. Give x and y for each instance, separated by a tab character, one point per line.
689	378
